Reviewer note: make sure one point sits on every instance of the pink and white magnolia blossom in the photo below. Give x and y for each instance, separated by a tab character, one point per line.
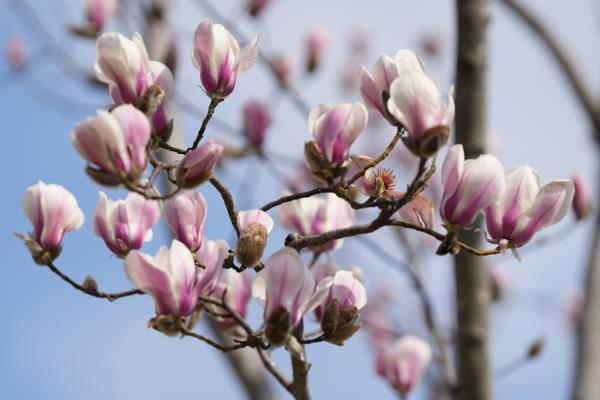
170	277
53	211
403	362
386	69
315	215
342	286
16	51
124	65
216	54
196	167
284	288
98	12
525	208
125	224
257	120
335	128
114	143
469	186
316	43
416	102
235	289
185	214
582	199
211	256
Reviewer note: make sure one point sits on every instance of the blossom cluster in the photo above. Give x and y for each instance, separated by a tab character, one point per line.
197	274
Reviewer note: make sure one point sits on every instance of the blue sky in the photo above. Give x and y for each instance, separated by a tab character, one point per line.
59	344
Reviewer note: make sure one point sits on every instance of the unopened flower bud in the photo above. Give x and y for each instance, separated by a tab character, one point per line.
536	348
196	167
347	326
255	7
582	200
167	324
282	66
16	52
316	41
254	226
90	284
278	326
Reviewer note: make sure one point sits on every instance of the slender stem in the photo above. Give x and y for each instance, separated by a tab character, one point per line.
511	367
379	159
296	196
214	102
91	292
228	201
225	349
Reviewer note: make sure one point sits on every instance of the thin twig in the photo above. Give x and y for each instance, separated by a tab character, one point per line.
214	102
228	201
225	349
91	292
296	196
380	158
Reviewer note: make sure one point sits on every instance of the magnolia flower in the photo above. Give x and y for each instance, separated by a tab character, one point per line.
16	51
114	144
185	214
171	278
526	208
235	289
254	226
99	11
338	299
53	211
402	363
386	69
415	101
217	56
469	186
284	288
256	122
211	256
315	215
196	167
334	128
316	42
582	199
124	65
282	66
125	224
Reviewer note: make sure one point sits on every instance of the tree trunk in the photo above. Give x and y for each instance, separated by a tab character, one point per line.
472	293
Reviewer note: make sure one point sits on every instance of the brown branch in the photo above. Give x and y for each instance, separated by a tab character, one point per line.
300	367
225	349
272	368
90	291
228	201
296	196
562	58
214	102
380	158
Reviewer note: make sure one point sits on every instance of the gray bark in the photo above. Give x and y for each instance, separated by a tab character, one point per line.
472	294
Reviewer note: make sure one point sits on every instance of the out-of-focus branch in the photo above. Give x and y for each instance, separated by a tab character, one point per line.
586	382
472	290
562	58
